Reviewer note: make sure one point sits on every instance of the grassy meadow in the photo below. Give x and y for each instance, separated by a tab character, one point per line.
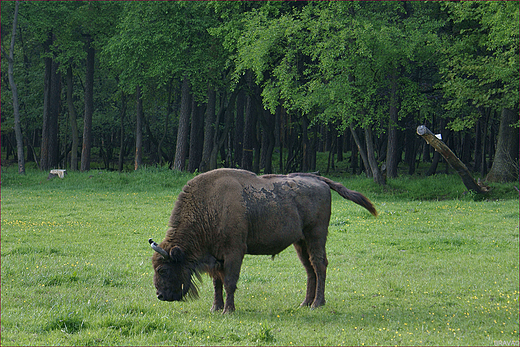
436	267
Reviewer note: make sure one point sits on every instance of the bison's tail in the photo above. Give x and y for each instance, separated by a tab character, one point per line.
351	195
346	193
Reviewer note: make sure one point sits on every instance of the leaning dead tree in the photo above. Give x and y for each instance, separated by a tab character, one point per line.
452	159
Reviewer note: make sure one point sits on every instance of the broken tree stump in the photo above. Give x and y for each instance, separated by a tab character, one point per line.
452	159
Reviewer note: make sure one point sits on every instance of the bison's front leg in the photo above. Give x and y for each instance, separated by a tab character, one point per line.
218	302
232	266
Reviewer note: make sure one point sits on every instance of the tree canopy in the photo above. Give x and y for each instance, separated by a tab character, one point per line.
230	83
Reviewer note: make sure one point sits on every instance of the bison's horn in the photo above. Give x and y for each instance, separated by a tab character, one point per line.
158	249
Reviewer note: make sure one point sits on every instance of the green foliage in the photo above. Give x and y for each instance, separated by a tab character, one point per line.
76	269
481	66
160	41
329	63
332	60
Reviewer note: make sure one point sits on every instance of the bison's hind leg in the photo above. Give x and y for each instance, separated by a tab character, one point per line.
303	254
314	259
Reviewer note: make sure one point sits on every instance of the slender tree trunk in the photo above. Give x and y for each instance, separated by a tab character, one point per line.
283	136
505	163
122	133
306	150
339	147
217	134
209	128
410	153
73	122
138	161
353	155
257	145
391	151
249	128
184	122
49	145
169	111
239	127
14	90
484	166
378	177
196	136
44	147
362	152
89	107
54	113
478	145
269	136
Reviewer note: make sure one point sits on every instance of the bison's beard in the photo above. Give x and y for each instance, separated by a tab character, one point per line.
191	291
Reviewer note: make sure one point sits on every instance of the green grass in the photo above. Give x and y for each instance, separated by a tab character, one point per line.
437	267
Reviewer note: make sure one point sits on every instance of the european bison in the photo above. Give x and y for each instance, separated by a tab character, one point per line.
224	214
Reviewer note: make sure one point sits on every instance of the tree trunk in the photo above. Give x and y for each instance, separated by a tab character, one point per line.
122	133
89	107
378	177
138	161
239	127
51	102
391	151
249	128
209	129
53	115
184	122
353	155
362	152
44	147
478	145
196	136
73	122
505	163
16	105
410	153
305	145
339	146
484	166
268	148
283	136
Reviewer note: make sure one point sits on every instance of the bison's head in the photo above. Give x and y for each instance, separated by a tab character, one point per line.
173	276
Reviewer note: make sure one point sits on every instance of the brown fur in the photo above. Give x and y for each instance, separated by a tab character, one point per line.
224	214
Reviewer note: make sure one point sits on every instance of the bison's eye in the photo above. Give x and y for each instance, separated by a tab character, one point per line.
161	271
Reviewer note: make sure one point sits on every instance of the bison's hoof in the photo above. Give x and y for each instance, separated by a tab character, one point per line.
306	303
317	304
228	310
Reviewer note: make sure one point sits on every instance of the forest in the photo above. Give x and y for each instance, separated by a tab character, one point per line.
260	85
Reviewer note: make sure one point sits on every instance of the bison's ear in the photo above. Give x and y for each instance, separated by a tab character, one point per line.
176	254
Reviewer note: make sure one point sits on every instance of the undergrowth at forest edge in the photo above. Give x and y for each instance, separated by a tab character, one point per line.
429	270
